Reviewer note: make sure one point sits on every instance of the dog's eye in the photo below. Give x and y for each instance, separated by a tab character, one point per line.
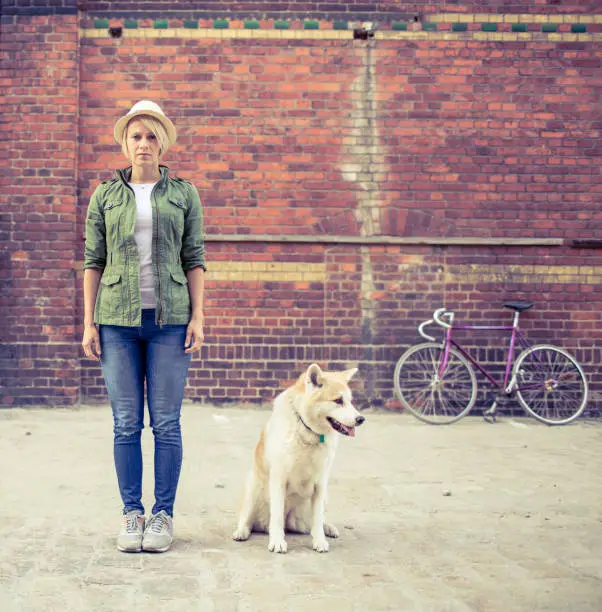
339	401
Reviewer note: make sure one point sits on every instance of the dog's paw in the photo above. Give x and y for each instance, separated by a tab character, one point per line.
277	545
241	534
331	531
320	545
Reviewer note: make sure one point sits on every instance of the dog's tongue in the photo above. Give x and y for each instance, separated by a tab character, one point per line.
349	430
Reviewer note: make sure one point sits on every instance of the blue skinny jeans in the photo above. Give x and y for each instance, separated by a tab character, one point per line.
131	356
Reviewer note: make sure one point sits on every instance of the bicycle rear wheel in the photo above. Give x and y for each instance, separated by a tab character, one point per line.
433	399
551	385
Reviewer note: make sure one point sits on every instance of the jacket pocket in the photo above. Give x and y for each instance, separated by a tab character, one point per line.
180	298
176	211
180	203
110	303
114	212
113	203
179	277
110	279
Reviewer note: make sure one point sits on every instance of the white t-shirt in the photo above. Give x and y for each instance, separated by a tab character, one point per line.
144	240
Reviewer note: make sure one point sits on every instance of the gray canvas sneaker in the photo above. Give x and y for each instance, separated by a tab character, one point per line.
158	534
132	530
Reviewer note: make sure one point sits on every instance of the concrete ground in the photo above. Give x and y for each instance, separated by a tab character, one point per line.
468	517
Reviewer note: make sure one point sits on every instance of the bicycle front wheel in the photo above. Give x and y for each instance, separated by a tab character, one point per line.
433	397
550	383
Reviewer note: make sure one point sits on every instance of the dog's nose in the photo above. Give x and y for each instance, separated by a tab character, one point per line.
359	420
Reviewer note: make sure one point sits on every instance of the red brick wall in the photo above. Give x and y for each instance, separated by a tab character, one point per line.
39	361
412	137
356	8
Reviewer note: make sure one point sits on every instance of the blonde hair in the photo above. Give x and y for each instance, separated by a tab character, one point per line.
152	124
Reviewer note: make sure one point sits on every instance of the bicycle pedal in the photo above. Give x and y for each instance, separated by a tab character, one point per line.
489	415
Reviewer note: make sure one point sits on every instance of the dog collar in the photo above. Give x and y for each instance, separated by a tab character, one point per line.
320	436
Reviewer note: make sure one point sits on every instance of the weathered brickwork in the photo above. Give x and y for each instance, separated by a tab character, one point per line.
351	184
39	361
356	8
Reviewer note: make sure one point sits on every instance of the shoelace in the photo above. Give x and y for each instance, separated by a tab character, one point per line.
157	523
131	523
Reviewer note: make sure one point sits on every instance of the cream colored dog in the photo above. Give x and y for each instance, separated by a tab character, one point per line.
286	487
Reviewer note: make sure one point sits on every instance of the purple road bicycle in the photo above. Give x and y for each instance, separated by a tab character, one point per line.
436	381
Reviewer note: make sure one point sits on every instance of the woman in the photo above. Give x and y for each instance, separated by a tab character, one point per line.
143	312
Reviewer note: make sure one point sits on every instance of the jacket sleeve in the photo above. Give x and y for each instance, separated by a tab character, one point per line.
95	250
193	239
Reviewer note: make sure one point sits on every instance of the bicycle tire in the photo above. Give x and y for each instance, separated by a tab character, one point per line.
438	402
550	383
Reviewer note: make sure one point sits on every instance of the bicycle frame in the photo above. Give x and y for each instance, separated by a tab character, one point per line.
436	382
515	336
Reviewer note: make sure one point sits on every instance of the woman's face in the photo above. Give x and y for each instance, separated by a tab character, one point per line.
142	145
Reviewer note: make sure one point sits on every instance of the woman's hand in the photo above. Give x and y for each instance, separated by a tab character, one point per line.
194	335
91	342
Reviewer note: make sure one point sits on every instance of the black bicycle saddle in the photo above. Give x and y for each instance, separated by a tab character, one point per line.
519	306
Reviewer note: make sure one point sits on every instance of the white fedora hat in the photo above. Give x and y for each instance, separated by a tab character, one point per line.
145	107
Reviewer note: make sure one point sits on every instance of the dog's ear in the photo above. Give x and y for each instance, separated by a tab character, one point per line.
313	377
348	374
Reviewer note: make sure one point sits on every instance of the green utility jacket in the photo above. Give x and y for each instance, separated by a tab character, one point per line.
178	246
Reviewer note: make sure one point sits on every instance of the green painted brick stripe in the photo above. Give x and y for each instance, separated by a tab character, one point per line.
253	24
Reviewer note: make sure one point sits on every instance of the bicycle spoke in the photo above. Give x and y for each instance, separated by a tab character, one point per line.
434	396
551	385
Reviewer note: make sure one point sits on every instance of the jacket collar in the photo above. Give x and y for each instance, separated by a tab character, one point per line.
125	174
